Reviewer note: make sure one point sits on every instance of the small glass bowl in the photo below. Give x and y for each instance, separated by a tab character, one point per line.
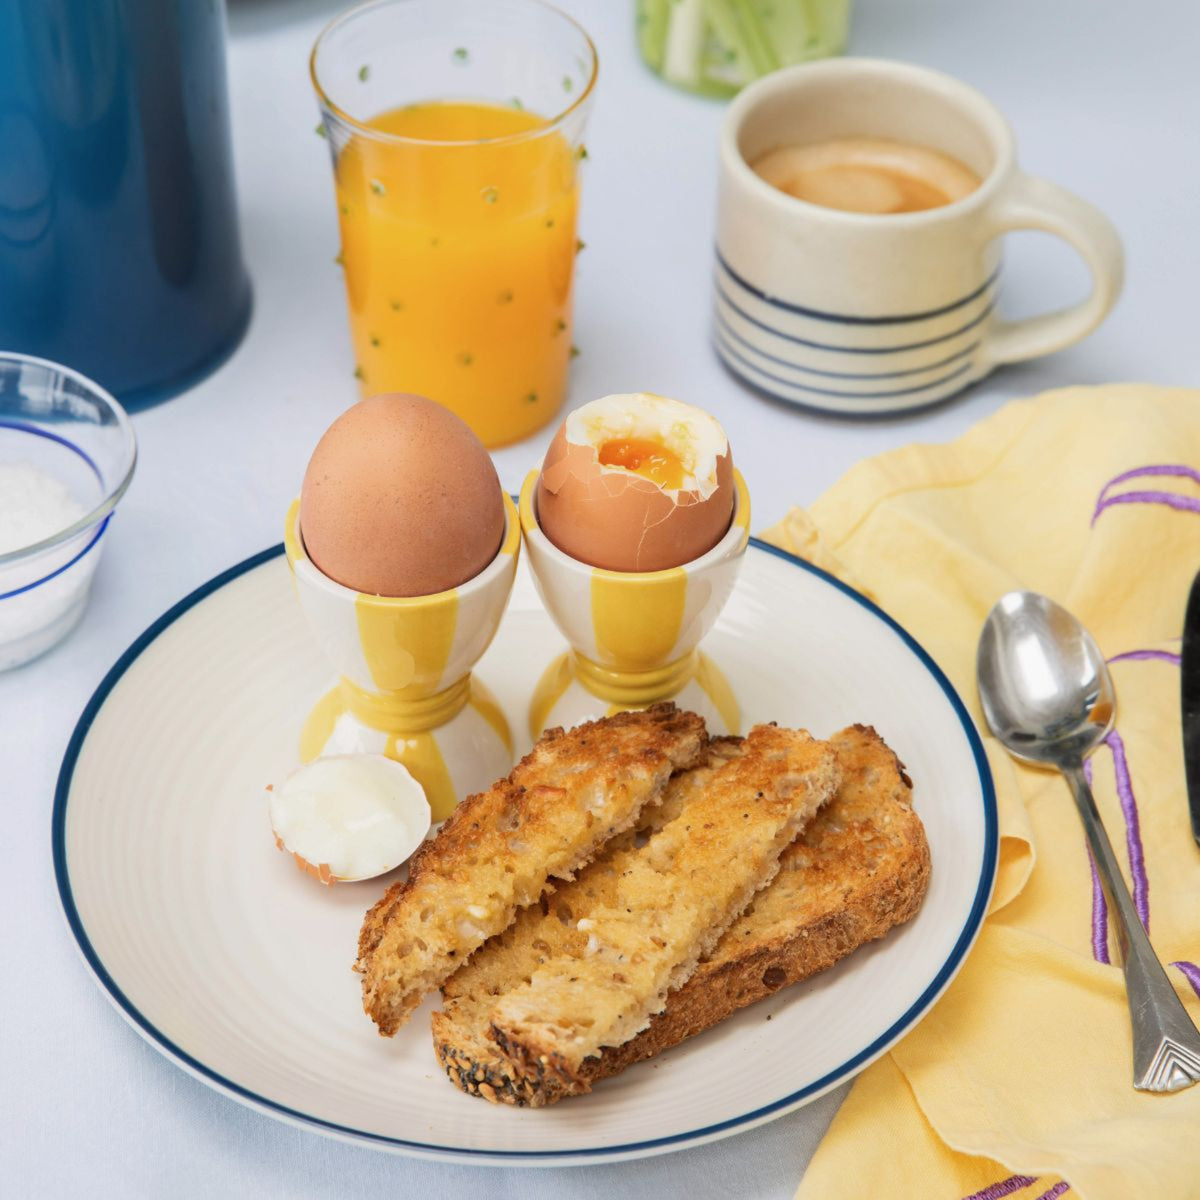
59	422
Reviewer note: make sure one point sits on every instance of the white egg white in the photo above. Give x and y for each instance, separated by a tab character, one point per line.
361	814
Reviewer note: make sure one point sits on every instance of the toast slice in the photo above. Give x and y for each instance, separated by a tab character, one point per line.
860	868
671	900
500	849
461	1031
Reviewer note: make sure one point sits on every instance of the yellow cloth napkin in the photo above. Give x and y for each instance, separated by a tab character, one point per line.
1018	1081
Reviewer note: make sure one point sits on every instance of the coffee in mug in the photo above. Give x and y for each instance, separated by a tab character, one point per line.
868	175
829	305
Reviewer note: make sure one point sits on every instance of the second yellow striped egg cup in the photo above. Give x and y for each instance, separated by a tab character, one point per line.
405	686
633	634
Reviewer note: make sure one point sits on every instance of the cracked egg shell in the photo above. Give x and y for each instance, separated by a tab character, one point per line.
615	518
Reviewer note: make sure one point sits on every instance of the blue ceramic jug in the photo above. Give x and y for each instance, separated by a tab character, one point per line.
119	248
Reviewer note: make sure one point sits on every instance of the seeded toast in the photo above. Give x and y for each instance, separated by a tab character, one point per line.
672	899
502	848
860	868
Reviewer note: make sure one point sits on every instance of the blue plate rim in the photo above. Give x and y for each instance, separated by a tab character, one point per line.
678	1141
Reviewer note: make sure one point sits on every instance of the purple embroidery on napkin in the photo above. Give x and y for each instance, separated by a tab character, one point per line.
1133	830
1190	972
1005	1187
1133	845
1133	833
1056	1191
1180	470
1170	499
1141	655
1099	915
1099	903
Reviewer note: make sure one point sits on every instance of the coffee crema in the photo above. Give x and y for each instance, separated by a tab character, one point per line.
867	175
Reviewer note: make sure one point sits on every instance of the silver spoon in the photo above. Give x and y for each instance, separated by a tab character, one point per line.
1048	696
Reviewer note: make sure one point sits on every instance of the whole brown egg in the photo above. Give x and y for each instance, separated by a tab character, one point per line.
400	499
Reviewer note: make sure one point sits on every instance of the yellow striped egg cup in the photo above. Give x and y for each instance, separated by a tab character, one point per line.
405	686
633	635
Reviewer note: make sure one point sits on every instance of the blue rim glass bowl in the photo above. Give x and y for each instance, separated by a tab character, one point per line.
63	424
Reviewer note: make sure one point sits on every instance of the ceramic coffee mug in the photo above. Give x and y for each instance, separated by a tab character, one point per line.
866	314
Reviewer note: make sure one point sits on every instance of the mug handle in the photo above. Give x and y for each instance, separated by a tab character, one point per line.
1028	202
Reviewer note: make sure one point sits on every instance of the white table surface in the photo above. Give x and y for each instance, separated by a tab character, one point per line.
1103	99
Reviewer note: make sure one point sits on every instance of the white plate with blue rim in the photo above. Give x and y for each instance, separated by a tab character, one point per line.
236	966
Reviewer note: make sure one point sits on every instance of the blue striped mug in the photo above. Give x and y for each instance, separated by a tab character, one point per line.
864	314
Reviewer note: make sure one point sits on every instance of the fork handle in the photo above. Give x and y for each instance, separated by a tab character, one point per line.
1166	1044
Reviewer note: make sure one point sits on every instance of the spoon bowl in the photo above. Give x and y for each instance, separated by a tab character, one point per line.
1044	685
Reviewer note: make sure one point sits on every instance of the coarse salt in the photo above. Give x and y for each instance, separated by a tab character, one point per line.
41	595
33	506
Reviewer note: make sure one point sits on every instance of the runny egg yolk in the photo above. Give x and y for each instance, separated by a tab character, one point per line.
647	458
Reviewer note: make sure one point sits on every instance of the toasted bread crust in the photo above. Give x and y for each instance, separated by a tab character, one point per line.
671	902
860	868
460	1033
863	891
501	849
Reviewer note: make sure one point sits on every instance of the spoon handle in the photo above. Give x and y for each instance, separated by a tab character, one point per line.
1166	1044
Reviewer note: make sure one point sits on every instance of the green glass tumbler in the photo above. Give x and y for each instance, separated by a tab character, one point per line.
716	47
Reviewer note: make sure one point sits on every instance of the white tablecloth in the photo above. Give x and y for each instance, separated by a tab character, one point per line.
1103	99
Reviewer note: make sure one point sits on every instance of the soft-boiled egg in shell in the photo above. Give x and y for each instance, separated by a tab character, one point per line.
349	816
636	482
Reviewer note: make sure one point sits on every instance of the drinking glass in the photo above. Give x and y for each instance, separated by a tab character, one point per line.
455	129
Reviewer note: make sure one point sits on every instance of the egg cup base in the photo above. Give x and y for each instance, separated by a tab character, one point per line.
569	693
451	760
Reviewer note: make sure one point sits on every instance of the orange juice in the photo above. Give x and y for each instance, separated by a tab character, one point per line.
459	244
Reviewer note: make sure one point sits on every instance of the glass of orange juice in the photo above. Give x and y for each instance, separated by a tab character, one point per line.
456	131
